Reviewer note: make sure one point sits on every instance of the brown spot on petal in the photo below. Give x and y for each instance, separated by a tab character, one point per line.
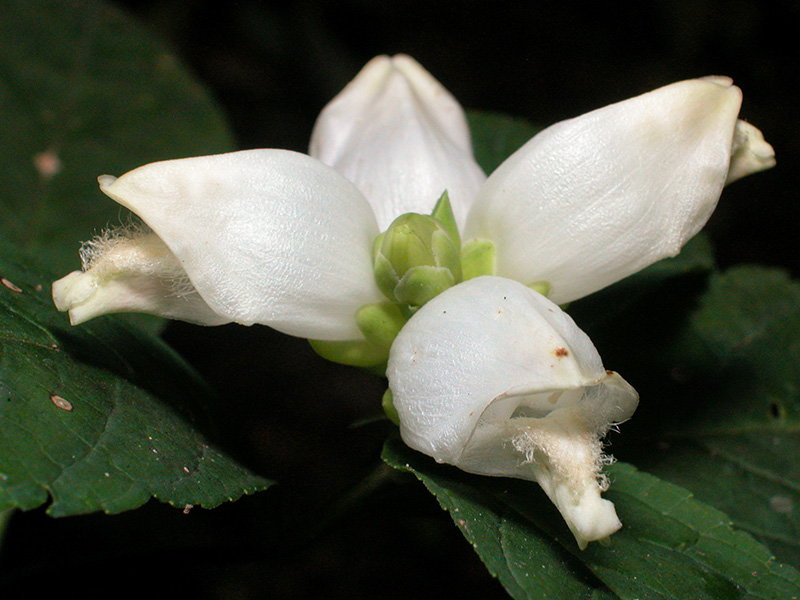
561	352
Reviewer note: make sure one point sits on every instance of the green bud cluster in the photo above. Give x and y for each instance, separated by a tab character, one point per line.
415	259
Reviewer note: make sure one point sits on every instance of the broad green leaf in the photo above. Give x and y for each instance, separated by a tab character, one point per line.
739	351
100	416
753	476
496	136
527	563
85	91
671	545
722	416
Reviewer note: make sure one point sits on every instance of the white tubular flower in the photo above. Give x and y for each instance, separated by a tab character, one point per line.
594	199
260	236
488	375
401	138
495	379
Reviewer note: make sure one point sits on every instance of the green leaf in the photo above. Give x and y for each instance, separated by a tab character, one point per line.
85	91
751	476
671	545
513	548
743	342
722	414
100	416
496	136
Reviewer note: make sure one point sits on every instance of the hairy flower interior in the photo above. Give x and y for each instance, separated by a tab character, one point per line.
577	454
130	269
566	458
133	249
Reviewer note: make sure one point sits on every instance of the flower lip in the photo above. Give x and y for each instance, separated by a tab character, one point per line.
485	339
129	269
495	379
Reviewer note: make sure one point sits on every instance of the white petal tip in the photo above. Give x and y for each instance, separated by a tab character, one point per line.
71	290
722	80
750	153
73	294
106	181
592	520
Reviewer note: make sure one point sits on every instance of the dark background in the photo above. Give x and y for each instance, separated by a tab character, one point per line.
272	66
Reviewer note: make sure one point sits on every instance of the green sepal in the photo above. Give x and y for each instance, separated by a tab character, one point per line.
356	353
376	245
423	283
380	323
443	213
388	407
542	287
447	252
385	274
477	258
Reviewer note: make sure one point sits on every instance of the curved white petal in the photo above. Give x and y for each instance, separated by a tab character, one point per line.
264	236
492	377
591	200
402	139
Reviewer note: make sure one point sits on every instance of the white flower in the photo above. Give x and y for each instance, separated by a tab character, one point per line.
494	378
275	237
489	375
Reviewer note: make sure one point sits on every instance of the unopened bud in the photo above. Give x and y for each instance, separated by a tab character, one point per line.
416	259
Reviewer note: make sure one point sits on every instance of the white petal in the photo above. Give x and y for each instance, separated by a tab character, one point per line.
591	200
751	152
402	138
131	271
264	236
492	377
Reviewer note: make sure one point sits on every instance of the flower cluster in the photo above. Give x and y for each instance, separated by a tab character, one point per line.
390	248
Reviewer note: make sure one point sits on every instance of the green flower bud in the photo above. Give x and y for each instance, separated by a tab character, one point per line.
387	402
416	259
380	323
477	258
542	287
